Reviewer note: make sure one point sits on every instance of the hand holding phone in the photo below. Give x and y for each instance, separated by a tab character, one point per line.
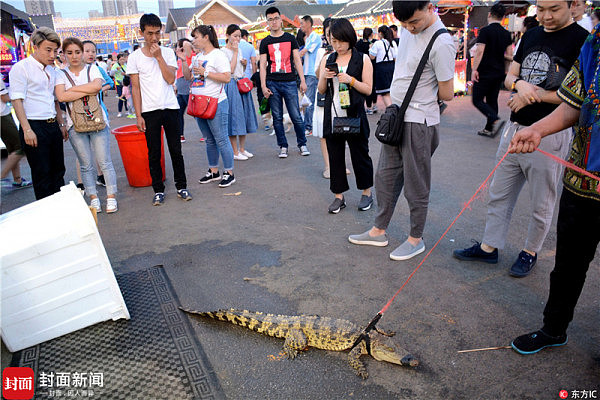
333	67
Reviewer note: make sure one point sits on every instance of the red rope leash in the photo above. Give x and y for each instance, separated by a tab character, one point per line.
571	166
467	204
364	336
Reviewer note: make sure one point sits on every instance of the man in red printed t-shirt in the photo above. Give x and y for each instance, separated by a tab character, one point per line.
280	64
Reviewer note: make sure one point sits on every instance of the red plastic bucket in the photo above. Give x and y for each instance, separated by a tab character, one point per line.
134	153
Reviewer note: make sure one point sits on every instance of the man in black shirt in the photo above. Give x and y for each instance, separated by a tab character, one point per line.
494	45
544	57
279	62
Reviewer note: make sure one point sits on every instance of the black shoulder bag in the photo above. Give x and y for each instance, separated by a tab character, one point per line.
390	125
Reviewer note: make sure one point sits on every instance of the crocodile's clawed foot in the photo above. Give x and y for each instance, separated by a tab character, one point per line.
291	353
362	372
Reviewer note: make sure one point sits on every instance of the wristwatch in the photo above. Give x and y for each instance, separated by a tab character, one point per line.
514	84
205	74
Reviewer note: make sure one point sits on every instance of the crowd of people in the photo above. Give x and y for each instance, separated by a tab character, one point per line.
552	79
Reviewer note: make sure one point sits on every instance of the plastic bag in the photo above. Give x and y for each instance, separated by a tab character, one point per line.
305	102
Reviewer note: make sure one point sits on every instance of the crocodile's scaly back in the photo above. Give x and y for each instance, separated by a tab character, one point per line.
303	331
321	332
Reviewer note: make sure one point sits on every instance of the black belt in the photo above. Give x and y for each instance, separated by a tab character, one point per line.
48	121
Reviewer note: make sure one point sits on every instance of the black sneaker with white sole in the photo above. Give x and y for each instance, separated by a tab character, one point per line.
210	177
100	180
227	180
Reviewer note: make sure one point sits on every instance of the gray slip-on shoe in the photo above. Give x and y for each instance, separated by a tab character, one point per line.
407	250
365	238
365	202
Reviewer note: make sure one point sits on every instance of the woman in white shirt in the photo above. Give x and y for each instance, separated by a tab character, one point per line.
84	143
211	70
238	102
384	53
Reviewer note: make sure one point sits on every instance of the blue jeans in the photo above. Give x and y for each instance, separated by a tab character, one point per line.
97	143
287	91
311	91
217	138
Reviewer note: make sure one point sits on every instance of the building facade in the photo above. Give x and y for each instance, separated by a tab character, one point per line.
164	6
39	7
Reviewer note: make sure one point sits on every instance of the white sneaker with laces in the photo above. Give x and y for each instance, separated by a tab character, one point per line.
111	205
247	154
283	152
96	204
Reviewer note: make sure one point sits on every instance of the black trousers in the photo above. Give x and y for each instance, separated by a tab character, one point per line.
47	160
183	103
361	162
487	89
169	120
577	239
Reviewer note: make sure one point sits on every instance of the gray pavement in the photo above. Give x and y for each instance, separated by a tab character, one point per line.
274	248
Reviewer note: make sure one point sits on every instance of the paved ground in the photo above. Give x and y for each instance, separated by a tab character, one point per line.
278	234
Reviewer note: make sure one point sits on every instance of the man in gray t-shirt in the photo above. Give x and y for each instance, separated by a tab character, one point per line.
409	165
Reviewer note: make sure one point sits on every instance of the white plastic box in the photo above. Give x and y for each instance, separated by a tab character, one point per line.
55	275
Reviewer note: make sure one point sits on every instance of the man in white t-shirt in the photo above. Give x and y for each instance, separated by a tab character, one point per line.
152	69
408	166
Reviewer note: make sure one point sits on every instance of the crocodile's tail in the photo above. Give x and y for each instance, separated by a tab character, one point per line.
268	324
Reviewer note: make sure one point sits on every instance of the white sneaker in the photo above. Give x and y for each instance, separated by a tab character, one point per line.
304	151
111	205
247	154
240	157
119	115
96	204
283	152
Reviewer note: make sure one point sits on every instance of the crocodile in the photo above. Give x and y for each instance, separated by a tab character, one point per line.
303	331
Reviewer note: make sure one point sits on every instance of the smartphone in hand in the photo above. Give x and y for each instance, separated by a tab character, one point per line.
333	67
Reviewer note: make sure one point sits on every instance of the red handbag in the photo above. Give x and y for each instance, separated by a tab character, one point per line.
201	106
244	85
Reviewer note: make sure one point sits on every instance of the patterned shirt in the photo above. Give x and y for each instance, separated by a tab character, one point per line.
585	151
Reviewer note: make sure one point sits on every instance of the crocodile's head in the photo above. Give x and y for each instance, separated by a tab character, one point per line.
386	348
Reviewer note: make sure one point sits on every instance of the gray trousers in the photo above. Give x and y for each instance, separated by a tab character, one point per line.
408	166
543	176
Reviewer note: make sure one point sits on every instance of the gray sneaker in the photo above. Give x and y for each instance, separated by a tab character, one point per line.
365	238
407	250
365	202
304	151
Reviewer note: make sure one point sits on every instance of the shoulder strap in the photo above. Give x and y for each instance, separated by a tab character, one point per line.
88	72
419	71
69	77
387	49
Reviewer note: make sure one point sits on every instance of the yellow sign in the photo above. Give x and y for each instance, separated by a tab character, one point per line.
262	35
